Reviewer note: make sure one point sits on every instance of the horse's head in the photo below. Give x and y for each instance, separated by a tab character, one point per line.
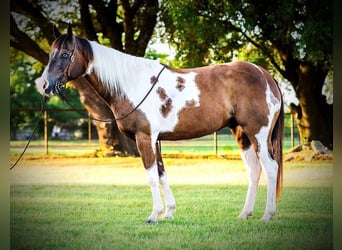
67	62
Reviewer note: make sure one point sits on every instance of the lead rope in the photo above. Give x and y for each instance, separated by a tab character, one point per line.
43	102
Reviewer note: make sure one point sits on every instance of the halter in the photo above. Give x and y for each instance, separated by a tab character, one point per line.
72	59
67	68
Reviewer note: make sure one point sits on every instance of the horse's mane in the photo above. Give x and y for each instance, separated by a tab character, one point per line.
117	70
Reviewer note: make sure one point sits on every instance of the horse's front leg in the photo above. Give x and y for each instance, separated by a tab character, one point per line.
170	200
148	155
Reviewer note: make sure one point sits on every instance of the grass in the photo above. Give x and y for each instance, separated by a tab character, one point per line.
63	147
75	213
111	217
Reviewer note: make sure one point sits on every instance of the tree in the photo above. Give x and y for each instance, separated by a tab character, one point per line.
295	37
124	25
22	92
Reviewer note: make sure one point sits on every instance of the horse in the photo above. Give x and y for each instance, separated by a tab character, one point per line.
153	102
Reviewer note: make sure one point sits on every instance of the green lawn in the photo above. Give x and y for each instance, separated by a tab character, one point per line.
75	213
112	217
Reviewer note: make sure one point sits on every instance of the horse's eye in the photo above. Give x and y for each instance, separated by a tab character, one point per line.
65	55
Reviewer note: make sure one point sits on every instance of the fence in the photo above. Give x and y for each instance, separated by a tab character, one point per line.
218	143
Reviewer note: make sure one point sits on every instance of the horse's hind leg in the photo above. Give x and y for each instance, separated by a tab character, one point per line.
253	171
250	159
170	200
270	166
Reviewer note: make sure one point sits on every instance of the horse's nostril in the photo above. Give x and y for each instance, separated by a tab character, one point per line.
45	85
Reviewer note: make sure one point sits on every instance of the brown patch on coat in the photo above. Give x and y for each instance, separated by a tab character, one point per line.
162	93
190	103
153	79
166	108
180	83
241	138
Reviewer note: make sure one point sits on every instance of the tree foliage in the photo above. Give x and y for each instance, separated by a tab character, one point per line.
293	37
199	31
301	30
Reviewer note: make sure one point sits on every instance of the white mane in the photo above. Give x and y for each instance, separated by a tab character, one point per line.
116	70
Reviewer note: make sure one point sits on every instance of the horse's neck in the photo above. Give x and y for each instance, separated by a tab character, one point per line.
96	86
119	105
123	74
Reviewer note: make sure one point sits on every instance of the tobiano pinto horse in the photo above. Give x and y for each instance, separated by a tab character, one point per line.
184	104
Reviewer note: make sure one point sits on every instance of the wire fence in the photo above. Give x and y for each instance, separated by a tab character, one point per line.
79	136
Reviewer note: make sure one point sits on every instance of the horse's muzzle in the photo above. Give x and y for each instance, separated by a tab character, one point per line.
43	86
52	88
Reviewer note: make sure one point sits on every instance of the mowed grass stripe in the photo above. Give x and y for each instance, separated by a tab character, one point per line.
130	171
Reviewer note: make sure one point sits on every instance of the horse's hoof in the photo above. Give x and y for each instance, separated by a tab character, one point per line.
168	217
267	216
244	215
150	221
169	213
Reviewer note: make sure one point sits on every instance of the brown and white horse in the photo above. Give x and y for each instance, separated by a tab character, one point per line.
185	103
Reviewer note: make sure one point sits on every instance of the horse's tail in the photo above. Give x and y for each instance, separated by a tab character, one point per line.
277	146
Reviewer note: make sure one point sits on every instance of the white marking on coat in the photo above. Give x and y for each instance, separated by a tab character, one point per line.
180	99
269	165
153	180
131	76
251	161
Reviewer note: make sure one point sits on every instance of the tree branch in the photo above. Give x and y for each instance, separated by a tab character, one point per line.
146	26
20	41
107	19
35	14
265	51
141	17
128	26
87	20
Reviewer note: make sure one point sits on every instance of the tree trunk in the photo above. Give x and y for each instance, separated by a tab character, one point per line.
111	140
314	114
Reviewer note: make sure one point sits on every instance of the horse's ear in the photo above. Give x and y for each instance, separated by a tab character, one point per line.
56	32
70	30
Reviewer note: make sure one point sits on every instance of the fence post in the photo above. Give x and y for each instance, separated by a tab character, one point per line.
215	142
89	129
46	141
292	131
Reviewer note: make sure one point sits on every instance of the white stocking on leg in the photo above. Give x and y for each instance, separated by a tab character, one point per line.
153	180
253	171
170	200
